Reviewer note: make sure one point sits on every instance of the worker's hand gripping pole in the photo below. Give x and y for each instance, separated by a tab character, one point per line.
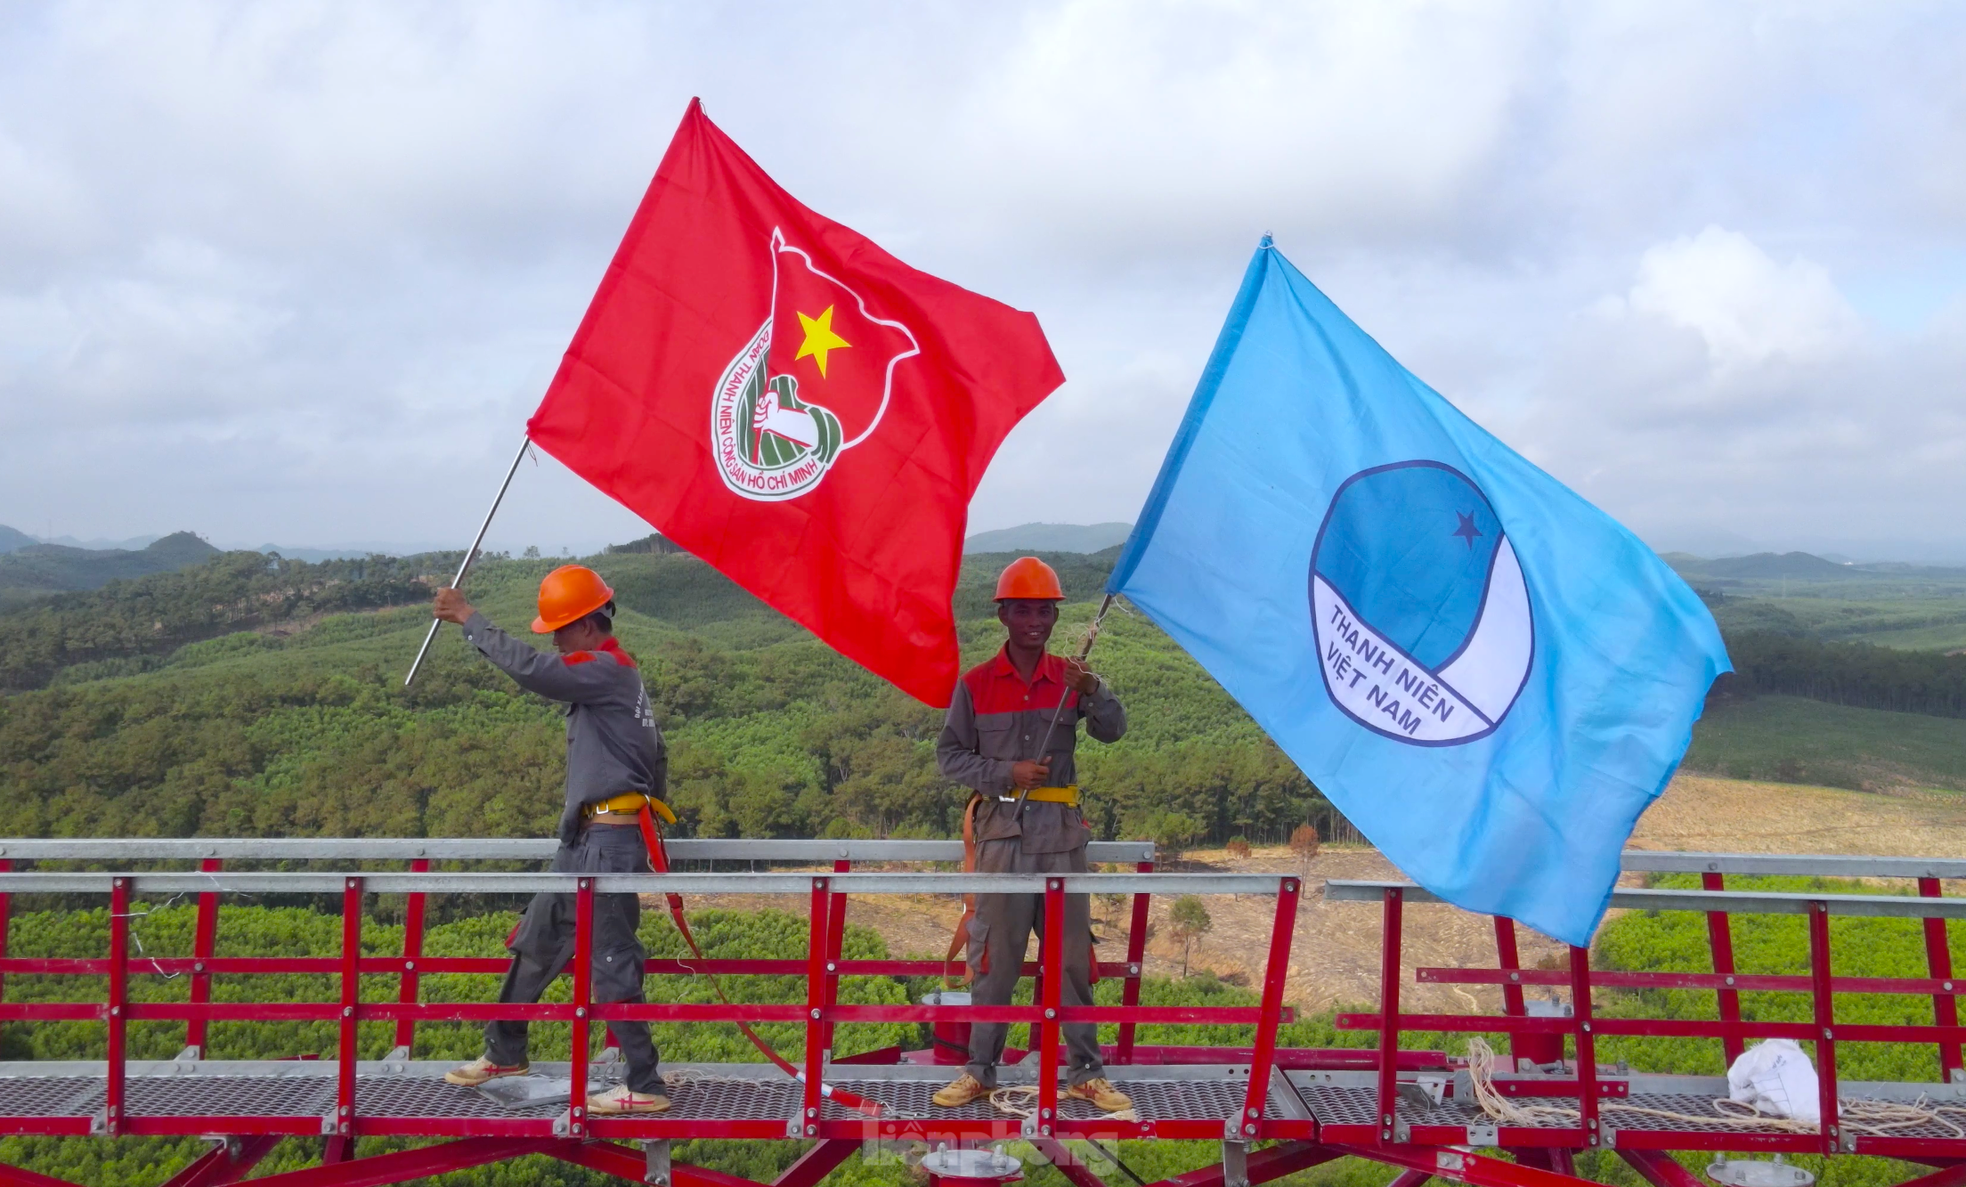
470	554
1085	649
659	863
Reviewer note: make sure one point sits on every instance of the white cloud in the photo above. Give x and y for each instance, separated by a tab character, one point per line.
300	271
1747	307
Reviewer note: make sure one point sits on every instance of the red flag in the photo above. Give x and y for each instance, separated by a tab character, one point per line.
795	406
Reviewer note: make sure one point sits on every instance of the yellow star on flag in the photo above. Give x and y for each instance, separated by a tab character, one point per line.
820	338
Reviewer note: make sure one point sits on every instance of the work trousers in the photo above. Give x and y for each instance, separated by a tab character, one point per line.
1002	927
542	946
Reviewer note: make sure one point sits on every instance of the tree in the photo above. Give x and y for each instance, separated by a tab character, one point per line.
1191	922
1304	843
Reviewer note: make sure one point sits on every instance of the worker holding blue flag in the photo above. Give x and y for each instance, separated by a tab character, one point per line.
1489	676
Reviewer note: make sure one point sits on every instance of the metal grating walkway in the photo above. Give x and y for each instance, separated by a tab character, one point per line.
718	1092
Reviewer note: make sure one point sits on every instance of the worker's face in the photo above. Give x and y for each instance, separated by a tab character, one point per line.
580	635
1029	621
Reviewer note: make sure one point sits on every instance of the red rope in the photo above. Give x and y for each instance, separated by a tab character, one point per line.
659	863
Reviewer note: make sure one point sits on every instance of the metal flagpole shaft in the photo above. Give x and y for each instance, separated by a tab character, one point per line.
1091	637
469	553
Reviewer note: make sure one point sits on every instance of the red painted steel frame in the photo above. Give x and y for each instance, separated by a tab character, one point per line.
1720	942
1136	957
1543	1156
1938	962
409	982
204	941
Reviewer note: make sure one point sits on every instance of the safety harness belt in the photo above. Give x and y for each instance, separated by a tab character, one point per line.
659	863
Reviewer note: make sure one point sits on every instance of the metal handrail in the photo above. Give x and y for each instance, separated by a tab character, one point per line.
326	882
1750	902
497	849
1646	861
741	849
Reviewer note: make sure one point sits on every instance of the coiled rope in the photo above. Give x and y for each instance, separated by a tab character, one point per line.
1021	1100
1864	1115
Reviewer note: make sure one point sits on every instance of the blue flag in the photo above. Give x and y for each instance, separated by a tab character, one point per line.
1489	676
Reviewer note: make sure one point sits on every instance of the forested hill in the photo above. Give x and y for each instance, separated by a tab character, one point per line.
31	569
299	724
250	695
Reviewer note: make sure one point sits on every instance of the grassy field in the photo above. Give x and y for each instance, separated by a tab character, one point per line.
1793	740
1949	638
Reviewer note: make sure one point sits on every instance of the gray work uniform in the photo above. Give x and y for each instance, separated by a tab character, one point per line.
613	747
996	720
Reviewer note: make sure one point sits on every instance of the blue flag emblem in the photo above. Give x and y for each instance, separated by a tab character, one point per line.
1488	675
1419	639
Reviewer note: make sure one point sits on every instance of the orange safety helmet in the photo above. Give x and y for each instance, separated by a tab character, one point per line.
1029	577
569	593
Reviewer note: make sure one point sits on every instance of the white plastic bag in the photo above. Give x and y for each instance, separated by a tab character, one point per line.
1776	1078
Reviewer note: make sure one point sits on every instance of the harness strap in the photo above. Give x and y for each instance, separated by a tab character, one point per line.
961	938
659	863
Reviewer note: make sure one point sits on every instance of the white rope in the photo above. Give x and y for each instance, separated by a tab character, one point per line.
1863	1115
1010	1100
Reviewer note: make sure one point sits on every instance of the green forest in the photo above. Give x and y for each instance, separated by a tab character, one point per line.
242	697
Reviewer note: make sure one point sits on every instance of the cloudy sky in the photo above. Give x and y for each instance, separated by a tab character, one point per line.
298	272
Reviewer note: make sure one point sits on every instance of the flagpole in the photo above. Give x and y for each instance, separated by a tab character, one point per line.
1091	637
469	553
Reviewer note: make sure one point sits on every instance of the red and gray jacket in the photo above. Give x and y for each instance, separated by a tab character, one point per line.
996	720
612	743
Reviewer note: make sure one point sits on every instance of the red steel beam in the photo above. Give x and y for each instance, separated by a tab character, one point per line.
1136	963
119	996
1938	962
1276	972
204	940
622	1162
1066	1163
1509	963
1045	1034
225	1162
1825	1009
407	984
1410	1178
1263	1165
835	941
817	929
16	1176
816	1163
1951	1176
1720	942
1478	1169
404	1165
381	965
1580	1008
351	997
1389	1016
1660	1168
1744	983
583	1003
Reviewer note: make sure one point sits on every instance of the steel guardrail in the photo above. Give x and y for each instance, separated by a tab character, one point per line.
1747	902
496	849
1647	861
324	882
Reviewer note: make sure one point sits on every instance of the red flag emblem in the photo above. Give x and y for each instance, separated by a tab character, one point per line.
795	406
813	381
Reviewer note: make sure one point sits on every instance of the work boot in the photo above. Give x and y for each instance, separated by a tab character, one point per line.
1101	1093
620	1099
960	1091
480	1070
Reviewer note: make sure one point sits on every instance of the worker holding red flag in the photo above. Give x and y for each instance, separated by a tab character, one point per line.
794	406
616	767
